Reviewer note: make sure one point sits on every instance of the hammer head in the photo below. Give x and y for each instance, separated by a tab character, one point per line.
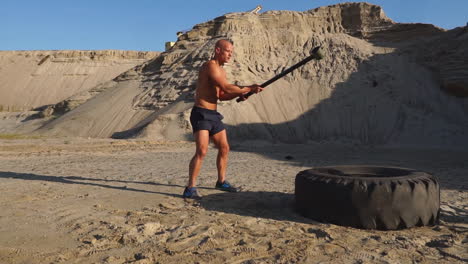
316	52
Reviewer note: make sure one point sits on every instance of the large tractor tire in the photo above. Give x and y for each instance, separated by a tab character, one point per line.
368	197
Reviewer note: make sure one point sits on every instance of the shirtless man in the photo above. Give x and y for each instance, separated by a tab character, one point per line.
206	122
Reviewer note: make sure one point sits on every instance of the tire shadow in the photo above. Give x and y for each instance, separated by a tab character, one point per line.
269	205
453	214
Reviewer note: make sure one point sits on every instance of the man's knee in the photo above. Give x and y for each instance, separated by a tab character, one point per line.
224	148
201	152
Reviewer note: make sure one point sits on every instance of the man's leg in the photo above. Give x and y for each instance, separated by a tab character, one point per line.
221	142
202	140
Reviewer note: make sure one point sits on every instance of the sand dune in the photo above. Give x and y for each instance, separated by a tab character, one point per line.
32	79
381	82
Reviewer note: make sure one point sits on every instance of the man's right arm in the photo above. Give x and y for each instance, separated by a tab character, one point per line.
223	96
219	79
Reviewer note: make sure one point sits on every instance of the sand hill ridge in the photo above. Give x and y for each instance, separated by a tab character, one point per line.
38	78
381	82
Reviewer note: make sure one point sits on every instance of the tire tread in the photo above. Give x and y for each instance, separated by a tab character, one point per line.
383	203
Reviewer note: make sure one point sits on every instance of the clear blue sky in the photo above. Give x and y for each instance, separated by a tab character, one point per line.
147	24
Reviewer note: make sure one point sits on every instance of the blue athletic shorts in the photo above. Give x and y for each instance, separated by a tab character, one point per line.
206	119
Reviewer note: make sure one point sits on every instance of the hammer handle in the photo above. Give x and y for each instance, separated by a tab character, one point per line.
288	70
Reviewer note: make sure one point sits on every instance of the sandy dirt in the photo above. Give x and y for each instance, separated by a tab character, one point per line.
119	201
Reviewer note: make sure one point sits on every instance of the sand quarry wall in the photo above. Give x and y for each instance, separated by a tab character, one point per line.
380	82
31	79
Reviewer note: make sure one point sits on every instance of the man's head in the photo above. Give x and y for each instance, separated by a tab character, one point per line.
223	51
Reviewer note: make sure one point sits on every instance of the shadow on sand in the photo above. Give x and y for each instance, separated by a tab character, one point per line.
452	214
86	181
269	205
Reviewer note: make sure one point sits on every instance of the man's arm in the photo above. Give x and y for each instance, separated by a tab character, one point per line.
219	79
226	96
229	91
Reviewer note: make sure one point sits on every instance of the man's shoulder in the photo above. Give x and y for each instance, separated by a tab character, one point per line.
212	66
211	63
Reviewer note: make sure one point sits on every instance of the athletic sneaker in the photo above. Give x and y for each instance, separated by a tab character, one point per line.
191	193
226	186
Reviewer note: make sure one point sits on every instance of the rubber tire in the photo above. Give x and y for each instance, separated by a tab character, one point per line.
368	197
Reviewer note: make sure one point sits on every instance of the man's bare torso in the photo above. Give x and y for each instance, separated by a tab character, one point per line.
207	93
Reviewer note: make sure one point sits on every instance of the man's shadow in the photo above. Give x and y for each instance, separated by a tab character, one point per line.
86	181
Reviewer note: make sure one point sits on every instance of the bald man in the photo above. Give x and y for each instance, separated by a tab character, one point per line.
206	122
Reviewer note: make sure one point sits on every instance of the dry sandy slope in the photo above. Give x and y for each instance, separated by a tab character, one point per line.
31	79
110	110
107	201
379	83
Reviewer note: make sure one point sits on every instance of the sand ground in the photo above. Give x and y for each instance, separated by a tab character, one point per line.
109	201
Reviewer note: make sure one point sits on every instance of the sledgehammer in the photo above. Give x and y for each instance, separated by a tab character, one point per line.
316	54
